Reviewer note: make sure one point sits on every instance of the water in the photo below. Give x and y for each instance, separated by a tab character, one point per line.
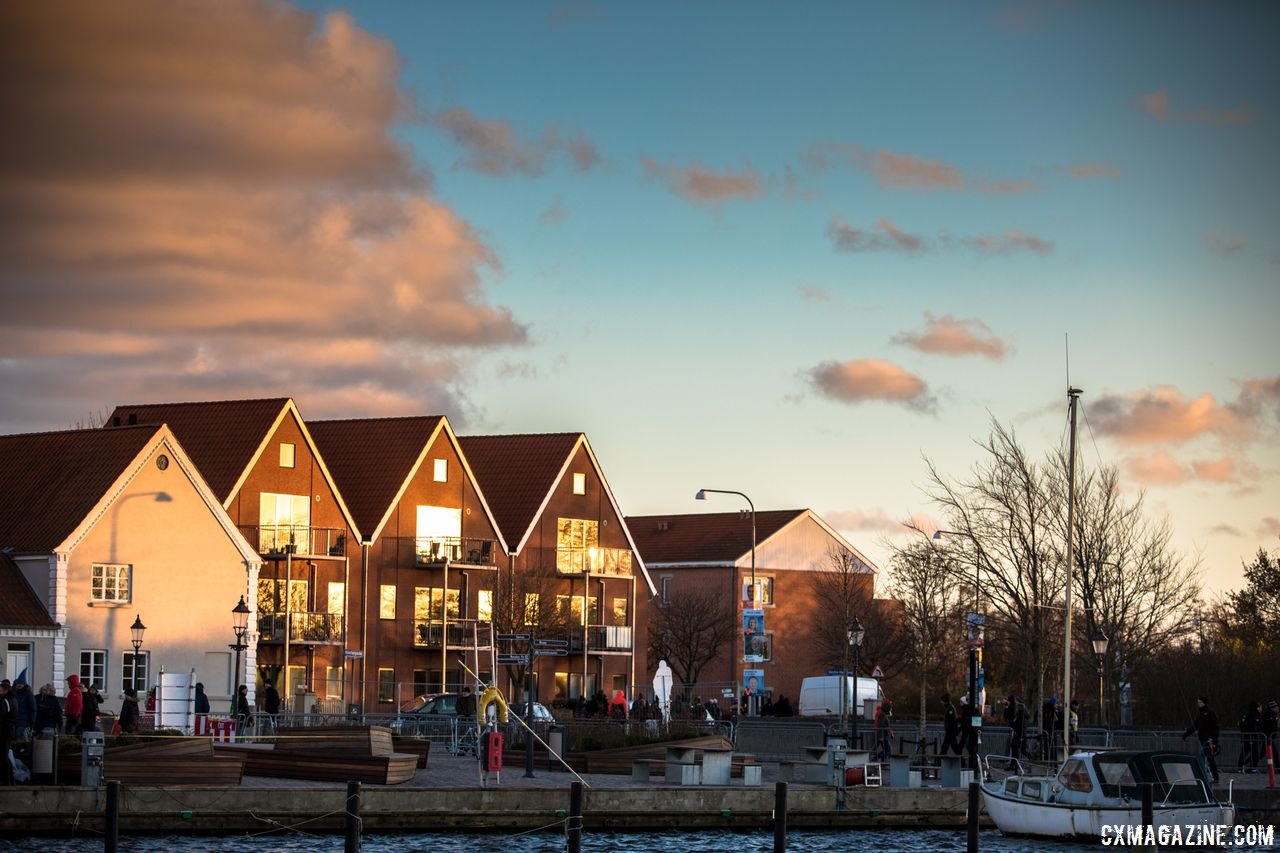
798	841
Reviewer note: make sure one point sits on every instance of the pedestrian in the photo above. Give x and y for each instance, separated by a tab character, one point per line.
270	704
243	712
1050	722
25	704
1205	727
1250	736
48	711
92	700
950	728
1073	723
884	730
128	720
73	704
1015	717
467	706
1270	722
8	713
202	699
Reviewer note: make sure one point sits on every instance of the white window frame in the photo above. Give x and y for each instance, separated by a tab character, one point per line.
128	677
106	582
288	454
91	660
440	470
665	582
579	483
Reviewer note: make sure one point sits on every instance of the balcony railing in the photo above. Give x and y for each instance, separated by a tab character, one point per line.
435	550
575	561
602	638
303	627
461	634
277	540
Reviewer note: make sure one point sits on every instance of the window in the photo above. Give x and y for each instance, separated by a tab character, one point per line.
337	597
439	531
532	604
271	596
427	600
287	454
295	676
134	671
386	685
570	608
619	682
666	590
387	601
484	605
1075	776
419	682
333	682
93	668
576	538
764	591
440	470
111	582
619	611
579	484
284	521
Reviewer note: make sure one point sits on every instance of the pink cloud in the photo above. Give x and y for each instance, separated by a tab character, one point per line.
1163	415
1158	469
1159	105
1215	470
244	221
947	335
1011	241
701	185
887	237
1269	526
491	146
1224	245
877	521
1085	171
792	191
870	379
897	170
1009	187
907	171
1226	530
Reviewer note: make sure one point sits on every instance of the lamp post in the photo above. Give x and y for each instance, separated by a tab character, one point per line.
702	496
239	624
975	641
1100	641
855	634
137	629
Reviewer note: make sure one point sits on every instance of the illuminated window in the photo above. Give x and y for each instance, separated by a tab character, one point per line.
619	611
577	540
440	470
531	605
271	596
579	484
337	596
287	455
111	582
764	591
333	682
484	605
387	601
386	685
426	604
284	522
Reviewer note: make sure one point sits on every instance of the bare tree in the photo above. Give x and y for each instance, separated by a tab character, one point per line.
691	631
845	590
527	601
920	580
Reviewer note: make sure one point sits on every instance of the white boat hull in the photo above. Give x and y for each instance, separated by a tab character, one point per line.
1016	816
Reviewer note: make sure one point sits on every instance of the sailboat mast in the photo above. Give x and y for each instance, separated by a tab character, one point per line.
1072	394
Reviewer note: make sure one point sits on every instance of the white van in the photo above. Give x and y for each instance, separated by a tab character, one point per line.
820	695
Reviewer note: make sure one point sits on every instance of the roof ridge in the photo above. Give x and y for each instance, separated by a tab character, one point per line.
311	421
574	433
203	402
86	430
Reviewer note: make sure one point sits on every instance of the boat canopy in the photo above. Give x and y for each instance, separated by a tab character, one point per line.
1175	777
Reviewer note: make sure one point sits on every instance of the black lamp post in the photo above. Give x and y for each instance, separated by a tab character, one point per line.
1100	641
855	635
702	496
137	629
239	624
975	641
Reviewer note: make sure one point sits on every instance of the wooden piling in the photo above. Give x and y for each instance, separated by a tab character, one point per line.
351	819
780	817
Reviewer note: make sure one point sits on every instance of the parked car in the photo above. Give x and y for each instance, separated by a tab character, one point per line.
540	712
428	714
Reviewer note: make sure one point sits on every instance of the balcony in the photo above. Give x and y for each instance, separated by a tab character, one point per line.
462	634
426	551
279	540
602	638
314	628
594	561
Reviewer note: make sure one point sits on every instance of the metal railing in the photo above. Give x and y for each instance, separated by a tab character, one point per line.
602	638
460	634
435	550
278	540
575	561
303	627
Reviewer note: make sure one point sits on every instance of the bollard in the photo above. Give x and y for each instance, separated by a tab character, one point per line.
1148	806
780	817
111	840
972	841
1271	766
573	829
351	819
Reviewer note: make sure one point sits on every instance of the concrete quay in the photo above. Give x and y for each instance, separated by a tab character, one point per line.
449	795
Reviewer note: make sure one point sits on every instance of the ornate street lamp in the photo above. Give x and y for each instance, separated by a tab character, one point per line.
1100	641
855	635
239	624
975	641
137	629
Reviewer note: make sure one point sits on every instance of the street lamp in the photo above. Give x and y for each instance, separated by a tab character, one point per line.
137	629
855	634
702	496
1099	641
239	624
975	640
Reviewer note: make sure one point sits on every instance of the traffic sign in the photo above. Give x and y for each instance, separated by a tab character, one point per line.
513	638
352	653
878	672
552	644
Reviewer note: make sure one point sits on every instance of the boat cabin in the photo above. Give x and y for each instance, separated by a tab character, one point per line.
1093	778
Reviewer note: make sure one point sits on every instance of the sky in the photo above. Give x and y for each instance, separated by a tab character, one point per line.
791	250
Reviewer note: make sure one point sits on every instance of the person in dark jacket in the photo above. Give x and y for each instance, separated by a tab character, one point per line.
73	704
1015	716
1050	725
243	712
202	699
8	712
129	712
950	727
270	703
92	700
1251	739
25	705
1205	728
48	710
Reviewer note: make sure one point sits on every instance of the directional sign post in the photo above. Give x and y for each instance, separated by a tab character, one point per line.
553	652
514	659
513	638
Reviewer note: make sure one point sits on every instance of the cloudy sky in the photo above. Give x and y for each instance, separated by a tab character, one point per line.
790	250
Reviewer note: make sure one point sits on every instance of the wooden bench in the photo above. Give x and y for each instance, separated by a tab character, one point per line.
414	746
171	761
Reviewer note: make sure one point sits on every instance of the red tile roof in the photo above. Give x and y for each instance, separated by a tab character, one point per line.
221	437
50	481
19	605
370	458
713	537
516	473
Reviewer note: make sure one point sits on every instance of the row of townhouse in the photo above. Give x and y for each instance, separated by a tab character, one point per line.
380	558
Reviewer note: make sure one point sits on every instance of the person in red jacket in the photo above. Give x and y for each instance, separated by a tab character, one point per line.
73	706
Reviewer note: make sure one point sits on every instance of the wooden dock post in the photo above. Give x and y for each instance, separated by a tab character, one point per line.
351	819
111	839
974	801
780	817
573	830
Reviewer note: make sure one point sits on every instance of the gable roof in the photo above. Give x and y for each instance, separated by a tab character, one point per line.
51	481
19	605
225	438
222	437
519	473
721	538
374	460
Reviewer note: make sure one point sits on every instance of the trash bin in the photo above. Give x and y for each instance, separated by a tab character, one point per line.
354	711
42	754
555	740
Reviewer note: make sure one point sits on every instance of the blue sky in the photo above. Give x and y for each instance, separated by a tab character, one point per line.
783	249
